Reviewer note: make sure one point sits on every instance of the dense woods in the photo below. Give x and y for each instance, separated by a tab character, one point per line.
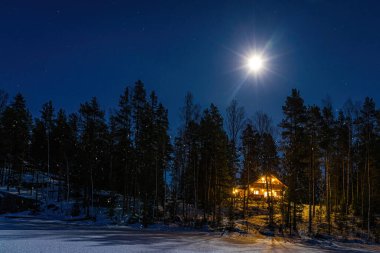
328	158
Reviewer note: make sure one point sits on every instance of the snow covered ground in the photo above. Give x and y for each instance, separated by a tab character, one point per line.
36	236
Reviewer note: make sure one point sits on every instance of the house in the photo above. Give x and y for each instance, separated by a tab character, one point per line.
259	189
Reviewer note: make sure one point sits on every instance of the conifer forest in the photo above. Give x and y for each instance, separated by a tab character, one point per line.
127	162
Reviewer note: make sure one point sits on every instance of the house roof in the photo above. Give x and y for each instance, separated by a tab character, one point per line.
273	180
261	181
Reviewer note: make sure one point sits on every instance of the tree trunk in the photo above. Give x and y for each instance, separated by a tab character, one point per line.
310	204
195	186
295	216
369	199
67	180
313	176
269	201
328	194
92	193
36	190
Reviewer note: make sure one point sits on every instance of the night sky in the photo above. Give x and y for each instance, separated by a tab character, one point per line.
70	51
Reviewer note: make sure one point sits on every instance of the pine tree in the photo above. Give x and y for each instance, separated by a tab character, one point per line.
269	167
313	132
47	119
151	148
327	149
164	150
342	130
350	113
17	127
367	123
216	179
293	147
38	145
121	125
93	141
63	150
185	169
265	157
250	151
3	158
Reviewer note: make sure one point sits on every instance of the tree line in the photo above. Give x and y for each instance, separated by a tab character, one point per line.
128	153
327	158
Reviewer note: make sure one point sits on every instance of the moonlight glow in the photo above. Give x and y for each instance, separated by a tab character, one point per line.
255	63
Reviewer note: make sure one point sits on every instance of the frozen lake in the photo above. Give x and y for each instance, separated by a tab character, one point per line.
17	235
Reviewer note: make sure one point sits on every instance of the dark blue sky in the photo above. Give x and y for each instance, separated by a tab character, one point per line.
70	51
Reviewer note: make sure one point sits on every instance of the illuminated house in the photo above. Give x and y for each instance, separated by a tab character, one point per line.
259	188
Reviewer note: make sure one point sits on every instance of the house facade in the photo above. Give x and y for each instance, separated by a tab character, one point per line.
263	187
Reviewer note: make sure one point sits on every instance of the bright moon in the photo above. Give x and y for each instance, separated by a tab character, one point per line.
255	63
